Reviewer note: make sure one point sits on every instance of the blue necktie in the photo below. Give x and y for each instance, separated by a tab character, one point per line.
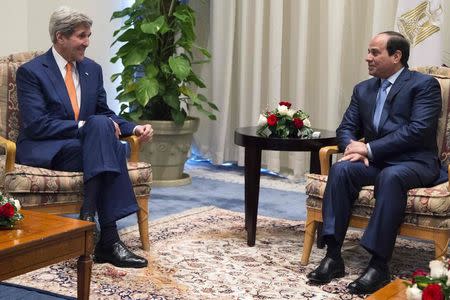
381	98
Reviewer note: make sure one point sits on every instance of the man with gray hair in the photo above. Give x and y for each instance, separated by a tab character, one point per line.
66	125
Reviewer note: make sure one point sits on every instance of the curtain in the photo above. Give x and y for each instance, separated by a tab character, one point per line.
308	52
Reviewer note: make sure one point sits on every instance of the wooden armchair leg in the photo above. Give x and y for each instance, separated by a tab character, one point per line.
441	241
310	231
142	216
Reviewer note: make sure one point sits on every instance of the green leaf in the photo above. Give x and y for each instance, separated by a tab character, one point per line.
172	99
153	27
121	13
195	79
114	76
125	49
136	56
126	97
146	89
151	71
123	107
130	87
136	114
166	69
202	110
129	35
213	106
165	28
202	98
180	66
182	15
189	93
178	116
114	59
120	29
204	51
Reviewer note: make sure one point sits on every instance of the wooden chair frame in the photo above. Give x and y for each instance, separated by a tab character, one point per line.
440	237
70	208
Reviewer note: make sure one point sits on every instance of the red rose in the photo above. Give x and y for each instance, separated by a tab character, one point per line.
298	122
418	272
272	120
433	292
285	103
7	210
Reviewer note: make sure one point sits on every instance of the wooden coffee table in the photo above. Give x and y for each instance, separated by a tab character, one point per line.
396	290
42	239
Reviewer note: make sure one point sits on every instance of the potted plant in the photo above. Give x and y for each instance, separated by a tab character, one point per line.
157	83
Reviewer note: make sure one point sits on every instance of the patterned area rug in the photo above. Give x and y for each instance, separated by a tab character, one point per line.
202	254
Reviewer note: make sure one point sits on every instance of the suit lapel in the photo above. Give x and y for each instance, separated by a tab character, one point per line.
398	84
54	74
83	76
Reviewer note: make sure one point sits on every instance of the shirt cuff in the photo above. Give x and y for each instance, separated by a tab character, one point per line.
80	124
369	152
134	130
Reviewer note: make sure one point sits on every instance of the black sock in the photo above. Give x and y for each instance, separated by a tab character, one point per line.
108	235
333	247
379	263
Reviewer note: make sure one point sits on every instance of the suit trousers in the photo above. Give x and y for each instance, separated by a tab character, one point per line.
391	183
102	159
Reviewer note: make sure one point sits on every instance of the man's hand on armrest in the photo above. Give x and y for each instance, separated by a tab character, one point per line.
356	151
143	132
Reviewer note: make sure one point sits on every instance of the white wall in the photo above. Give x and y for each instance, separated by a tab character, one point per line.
24	27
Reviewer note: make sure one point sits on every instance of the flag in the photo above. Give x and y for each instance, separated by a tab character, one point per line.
420	22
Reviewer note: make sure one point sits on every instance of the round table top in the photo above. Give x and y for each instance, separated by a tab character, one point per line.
247	137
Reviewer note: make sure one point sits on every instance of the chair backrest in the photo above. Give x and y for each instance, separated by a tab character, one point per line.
9	109
442	74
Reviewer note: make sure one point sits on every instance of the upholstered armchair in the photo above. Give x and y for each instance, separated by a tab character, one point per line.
428	209
47	190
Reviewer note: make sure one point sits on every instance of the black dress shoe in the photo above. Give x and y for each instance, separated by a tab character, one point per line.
328	269
370	281
119	255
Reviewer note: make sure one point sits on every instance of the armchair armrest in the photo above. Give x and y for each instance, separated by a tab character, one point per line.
10	148
134	144
324	157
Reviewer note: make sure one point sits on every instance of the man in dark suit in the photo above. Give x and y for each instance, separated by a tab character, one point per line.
396	112
66	125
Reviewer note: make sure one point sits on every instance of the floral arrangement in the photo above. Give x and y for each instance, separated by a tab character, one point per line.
284	122
9	211
431	286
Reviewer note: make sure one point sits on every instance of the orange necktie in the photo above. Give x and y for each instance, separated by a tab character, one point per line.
71	90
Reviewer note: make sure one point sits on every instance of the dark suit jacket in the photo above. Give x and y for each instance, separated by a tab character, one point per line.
47	118
407	129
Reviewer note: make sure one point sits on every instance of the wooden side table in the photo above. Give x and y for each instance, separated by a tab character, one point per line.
42	239
254	144
396	290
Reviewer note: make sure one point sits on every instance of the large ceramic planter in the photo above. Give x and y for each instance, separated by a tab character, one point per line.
168	150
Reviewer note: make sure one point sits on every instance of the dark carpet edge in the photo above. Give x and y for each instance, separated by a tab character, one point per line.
31	289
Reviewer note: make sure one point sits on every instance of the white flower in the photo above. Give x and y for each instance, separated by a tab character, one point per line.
413	293
306	122
291	113
448	278
17	204
283	110
437	269
262	120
